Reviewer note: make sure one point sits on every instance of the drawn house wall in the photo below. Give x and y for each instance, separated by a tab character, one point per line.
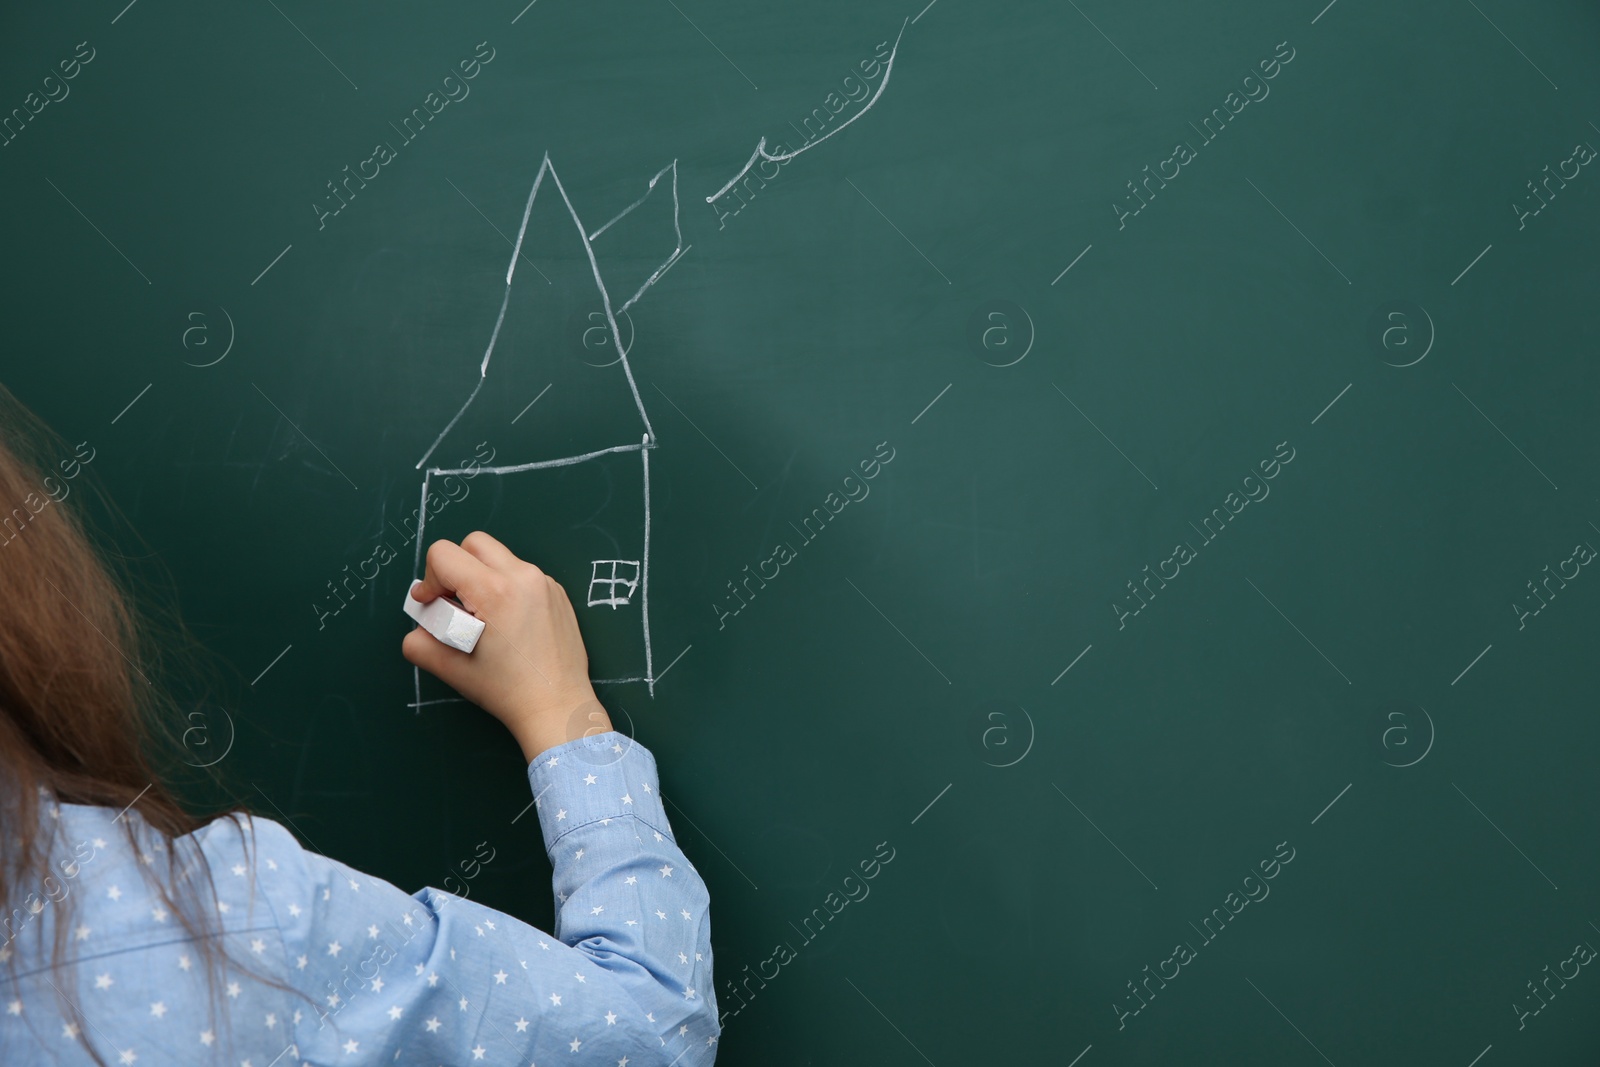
568	484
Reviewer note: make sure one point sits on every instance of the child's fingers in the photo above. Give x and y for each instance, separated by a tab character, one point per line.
451	569
422	649
489	550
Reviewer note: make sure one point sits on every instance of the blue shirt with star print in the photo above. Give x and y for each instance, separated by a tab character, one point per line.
327	965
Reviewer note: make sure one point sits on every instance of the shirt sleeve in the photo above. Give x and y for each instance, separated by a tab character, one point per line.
388	977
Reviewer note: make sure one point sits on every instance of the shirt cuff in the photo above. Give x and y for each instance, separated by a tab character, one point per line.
594	779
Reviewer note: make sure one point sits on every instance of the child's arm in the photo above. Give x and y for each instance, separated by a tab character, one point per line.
437	978
434	978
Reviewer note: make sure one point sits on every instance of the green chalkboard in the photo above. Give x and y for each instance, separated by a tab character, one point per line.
1125	471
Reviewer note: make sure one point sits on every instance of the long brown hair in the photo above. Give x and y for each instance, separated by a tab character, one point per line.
84	718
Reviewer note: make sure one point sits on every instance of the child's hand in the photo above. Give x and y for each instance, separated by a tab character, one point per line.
529	669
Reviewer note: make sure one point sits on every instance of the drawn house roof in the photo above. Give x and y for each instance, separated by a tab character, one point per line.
553	382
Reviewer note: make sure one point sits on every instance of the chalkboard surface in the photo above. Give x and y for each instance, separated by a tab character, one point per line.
1123	474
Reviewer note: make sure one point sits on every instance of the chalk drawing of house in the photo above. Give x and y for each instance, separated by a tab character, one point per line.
568	485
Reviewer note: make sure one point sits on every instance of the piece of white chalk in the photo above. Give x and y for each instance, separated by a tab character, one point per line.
446	620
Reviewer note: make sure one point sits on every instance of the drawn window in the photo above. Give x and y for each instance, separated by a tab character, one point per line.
613	582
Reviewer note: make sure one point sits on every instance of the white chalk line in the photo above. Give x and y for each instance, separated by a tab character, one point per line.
495	228
522	229
660	273
644	573
605	295
422	520
761	146
463	410
416	570
564	461
679	250
649	188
